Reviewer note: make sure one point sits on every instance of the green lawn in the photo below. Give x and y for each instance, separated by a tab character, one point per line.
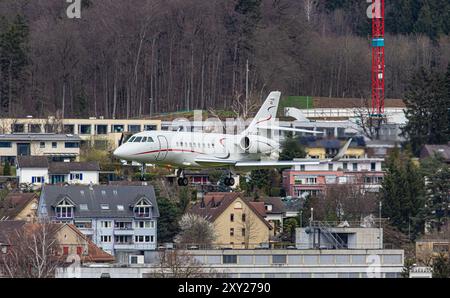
300	102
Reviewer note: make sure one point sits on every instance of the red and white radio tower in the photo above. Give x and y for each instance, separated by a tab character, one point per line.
378	58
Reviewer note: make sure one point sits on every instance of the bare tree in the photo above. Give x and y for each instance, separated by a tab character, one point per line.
180	264
31	252
250	230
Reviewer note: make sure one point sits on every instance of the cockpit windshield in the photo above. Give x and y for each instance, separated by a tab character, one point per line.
131	140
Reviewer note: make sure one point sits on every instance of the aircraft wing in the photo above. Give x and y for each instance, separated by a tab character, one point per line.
268	164
285	128
215	162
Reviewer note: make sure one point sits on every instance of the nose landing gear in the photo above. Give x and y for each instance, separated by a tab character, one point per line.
229	181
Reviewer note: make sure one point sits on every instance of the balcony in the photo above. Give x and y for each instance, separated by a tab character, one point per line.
124	245
123	231
86	231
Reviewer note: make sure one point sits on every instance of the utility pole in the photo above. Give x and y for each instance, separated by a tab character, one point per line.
381	237
151	106
246	86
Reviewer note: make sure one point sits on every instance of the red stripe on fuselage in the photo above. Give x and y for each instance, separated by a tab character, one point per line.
169	150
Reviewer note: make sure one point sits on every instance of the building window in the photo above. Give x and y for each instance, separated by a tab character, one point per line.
117	128
152	239
76	176
105	239
69	129
279	259
64	209
42	145
141	239
373	166
142	224
79	250
54	144
243	232
72	144
231	217
229	259
65	250
355	166
330	167
345	166
123	239
37	179
148	127
142	209
134	128
302	168
84	129
34	128
243	217
231	231
101	129
5	144
18	128
106	224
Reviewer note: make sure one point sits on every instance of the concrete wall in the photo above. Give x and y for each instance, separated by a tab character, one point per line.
266	263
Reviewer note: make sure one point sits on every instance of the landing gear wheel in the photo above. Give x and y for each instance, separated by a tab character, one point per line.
183	181
229	181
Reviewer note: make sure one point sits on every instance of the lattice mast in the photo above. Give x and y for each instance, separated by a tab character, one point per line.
378	63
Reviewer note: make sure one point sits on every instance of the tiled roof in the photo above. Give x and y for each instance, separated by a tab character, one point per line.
8	227
430	150
14	203
119	200
277	205
67	167
32	161
215	203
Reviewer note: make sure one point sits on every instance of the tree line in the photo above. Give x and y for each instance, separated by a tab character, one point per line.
124	59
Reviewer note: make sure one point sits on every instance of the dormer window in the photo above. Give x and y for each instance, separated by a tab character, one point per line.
64	209
142	209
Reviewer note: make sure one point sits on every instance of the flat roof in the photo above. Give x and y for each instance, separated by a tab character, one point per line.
39	137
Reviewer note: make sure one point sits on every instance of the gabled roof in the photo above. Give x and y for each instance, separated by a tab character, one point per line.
67	167
32	162
215	203
442	150
95	253
94	197
277	205
14	203
7	227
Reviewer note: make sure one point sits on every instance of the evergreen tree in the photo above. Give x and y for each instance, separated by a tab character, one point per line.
292	148
13	59
426	102
447	86
441	266
437	174
168	221
402	194
7	169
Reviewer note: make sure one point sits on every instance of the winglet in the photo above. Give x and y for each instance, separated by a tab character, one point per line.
342	151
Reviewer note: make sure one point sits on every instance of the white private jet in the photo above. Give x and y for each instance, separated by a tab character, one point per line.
196	150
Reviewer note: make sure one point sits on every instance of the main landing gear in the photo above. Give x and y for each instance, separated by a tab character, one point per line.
229	181
182	181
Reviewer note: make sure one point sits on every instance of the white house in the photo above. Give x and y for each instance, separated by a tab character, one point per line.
37	170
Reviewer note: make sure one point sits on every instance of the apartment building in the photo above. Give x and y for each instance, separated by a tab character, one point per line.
56	147
122	220
312	178
99	132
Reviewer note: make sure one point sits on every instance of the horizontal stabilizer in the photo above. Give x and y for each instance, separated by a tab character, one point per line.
284	128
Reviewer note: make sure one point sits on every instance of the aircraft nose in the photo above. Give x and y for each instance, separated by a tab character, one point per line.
119	152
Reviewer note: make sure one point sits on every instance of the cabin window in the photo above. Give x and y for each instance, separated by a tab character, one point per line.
131	140
144	139
137	140
150	139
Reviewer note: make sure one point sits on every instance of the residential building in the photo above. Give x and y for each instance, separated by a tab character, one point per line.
328	148
122	220
428	248
71	241
432	150
100	132
312	178
19	206
57	147
275	263
37	170
275	213
238	223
